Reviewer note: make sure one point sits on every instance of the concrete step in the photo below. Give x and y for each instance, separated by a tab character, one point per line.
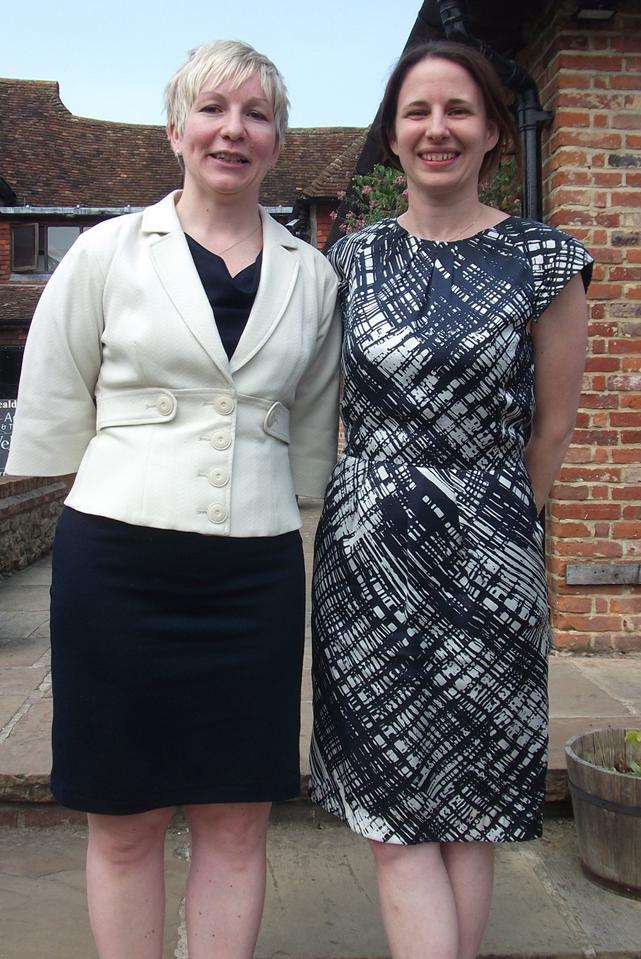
321	896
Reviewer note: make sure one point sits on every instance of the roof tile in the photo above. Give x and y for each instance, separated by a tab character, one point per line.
79	161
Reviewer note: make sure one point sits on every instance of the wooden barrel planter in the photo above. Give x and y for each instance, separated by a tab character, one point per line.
607	808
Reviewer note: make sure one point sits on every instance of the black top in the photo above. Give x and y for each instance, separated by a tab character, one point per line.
231	297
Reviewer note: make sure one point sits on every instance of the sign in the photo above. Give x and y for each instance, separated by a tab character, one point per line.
7	412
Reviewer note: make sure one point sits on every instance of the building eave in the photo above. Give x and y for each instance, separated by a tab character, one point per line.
74	212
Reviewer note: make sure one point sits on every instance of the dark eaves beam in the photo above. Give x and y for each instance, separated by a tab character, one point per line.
6	193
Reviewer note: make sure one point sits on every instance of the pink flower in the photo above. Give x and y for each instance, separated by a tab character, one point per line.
333	215
399	180
341	194
343	228
404	193
366	190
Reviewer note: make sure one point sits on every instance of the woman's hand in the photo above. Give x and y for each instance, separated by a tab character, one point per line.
560	343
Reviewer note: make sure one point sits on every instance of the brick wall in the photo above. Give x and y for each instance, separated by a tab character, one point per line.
5	242
324	222
591	78
29	510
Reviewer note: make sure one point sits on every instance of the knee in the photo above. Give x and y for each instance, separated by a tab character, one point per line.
403	859
234	831
388	855
127	840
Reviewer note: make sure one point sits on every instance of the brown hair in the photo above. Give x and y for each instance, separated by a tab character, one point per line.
486	78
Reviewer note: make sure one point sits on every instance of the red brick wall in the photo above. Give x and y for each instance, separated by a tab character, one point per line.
591	78
5	243
324	223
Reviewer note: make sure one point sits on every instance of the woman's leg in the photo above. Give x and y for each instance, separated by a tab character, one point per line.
417	901
125	883
226	885
470	867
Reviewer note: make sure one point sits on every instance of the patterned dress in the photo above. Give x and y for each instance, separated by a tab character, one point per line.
430	617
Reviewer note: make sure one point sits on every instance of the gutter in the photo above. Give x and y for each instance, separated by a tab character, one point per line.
73	212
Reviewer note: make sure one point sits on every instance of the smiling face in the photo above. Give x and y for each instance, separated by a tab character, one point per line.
229	139
442	131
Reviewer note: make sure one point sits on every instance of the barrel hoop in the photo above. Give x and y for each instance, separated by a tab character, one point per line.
604	803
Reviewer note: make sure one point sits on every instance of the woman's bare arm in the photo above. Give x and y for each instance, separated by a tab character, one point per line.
560	342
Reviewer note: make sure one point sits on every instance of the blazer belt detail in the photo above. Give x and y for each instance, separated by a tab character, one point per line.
145	406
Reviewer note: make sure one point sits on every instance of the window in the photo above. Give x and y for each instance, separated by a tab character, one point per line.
39	247
59	239
24	248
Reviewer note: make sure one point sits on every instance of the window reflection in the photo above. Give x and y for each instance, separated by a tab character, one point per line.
59	240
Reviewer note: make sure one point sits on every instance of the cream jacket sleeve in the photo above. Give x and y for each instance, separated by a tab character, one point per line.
56	413
314	417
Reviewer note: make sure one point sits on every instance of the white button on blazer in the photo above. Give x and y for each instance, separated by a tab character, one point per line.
125	380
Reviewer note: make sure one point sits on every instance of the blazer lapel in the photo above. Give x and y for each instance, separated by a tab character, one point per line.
178	274
277	280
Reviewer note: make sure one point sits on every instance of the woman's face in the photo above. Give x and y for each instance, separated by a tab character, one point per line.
229	140
442	132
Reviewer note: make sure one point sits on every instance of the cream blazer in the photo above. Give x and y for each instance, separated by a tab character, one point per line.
125	380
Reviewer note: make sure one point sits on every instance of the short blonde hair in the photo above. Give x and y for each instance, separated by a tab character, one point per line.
219	62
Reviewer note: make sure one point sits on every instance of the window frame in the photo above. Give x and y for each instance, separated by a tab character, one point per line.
26	269
48	226
42	228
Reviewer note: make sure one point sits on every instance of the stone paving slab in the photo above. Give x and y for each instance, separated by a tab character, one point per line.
19	625
42	894
21	680
321	897
28	599
619	678
27	750
575	693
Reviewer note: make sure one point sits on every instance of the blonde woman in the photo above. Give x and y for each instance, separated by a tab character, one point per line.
183	361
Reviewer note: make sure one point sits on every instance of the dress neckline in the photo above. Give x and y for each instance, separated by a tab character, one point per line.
465	239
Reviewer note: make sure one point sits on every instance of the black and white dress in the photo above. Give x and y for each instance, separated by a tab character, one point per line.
430	618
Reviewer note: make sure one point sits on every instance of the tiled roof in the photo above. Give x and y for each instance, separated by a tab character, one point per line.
337	174
307	157
50	157
17	302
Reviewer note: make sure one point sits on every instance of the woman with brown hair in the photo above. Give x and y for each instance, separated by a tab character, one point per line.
464	345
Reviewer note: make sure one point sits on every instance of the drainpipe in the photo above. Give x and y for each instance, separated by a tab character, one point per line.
530	117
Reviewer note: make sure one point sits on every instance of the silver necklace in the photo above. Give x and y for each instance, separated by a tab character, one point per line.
242	240
457	235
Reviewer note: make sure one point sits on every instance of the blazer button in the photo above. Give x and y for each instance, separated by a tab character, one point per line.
216	513
224	404
221	440
218	476
165	405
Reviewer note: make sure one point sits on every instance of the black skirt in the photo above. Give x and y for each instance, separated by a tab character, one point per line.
176	666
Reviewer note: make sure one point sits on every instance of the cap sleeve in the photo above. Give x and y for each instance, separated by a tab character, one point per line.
337	257
341	256
555	258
